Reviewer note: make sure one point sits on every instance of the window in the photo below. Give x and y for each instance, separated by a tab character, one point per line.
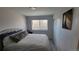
39	24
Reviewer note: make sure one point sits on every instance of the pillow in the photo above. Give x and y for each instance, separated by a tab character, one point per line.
18	36
14	38
23	34
7	41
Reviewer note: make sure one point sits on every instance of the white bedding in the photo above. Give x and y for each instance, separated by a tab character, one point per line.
32	42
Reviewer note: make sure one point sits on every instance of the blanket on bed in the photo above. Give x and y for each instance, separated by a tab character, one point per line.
32	42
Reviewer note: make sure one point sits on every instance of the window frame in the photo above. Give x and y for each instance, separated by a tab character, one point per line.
39	24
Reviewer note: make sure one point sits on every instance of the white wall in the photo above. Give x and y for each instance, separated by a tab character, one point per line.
66	39
10	19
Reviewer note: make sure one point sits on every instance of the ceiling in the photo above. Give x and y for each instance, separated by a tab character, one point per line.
39	10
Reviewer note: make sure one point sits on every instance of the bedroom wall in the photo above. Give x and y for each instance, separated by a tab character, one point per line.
66	39
11	19
50	23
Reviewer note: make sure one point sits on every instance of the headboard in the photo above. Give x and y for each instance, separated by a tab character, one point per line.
9	30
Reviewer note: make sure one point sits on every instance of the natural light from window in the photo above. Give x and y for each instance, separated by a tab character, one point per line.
39	24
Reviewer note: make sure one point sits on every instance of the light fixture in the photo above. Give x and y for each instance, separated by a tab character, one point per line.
33	8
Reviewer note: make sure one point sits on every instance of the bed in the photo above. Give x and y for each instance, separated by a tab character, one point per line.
32	42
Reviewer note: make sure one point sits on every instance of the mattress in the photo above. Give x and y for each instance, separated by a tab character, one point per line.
32	42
